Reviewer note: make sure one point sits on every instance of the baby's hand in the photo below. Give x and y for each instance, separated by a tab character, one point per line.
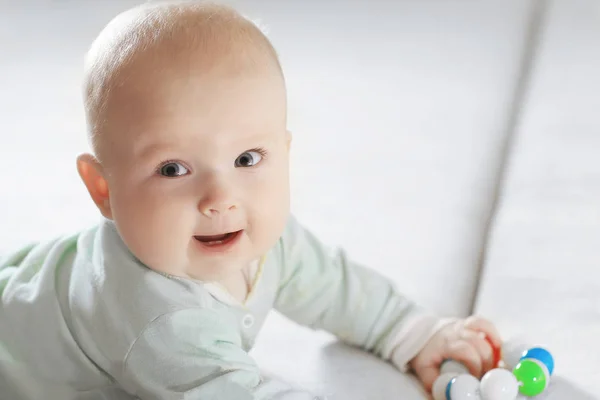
463	341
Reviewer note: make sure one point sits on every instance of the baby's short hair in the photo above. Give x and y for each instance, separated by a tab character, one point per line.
179	26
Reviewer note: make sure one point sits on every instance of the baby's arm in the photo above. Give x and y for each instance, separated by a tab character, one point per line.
195	354
323	289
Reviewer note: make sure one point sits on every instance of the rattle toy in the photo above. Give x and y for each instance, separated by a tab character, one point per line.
529	377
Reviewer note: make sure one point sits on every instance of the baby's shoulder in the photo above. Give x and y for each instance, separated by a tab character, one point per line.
89	289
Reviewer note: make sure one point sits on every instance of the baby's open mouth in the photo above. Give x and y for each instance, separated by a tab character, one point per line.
216	240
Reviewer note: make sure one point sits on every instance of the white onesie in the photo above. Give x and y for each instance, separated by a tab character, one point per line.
82	318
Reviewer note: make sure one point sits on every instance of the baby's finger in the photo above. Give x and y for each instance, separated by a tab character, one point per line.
483	325
463	352
483	348
427	375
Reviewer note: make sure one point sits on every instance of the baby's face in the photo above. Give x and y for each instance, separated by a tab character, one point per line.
198	170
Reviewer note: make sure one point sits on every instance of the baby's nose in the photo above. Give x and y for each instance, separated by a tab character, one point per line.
217	202
216	209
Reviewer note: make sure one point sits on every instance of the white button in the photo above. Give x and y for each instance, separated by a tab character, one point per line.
248	321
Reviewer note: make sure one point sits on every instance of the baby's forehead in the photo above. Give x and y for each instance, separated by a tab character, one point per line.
166	42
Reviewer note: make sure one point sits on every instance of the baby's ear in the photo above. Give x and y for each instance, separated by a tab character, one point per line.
92	175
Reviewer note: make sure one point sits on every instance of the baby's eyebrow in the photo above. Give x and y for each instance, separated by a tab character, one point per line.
145	150
263	136
151	150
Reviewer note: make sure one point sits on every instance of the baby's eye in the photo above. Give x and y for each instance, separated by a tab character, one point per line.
248	159
172	170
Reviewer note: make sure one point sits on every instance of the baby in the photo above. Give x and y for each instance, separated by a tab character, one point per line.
186	109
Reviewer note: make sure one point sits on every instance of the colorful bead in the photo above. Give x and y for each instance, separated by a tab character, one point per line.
532	375
542	355
441	383
496	352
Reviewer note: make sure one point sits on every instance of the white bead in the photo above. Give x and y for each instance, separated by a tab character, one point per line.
499	384
465	387
454	367
512	353
439	386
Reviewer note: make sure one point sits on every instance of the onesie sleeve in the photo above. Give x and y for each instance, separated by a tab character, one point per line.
322	289
196	354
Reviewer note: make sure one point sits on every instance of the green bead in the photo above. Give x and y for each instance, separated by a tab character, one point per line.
532	377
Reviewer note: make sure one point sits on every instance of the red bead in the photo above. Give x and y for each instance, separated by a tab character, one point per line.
497	352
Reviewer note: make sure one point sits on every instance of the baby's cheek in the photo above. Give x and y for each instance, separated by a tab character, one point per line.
155	227
268	215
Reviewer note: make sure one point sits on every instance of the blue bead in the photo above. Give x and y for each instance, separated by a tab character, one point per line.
448	387
541	355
